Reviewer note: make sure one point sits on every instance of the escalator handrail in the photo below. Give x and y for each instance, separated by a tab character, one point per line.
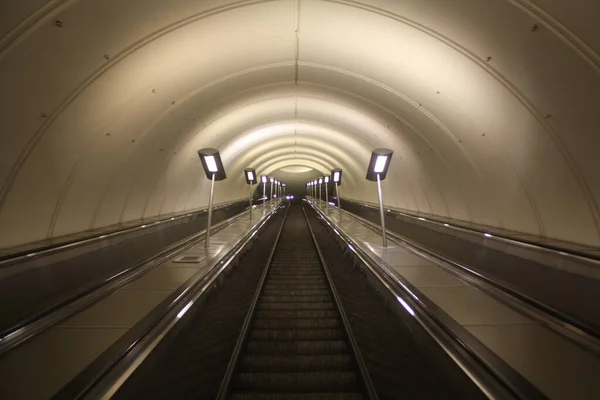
565	324
34	324
556	250
109	371
368	383
225	386
490	373
42	251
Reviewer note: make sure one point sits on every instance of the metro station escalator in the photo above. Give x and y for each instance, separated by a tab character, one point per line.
296	322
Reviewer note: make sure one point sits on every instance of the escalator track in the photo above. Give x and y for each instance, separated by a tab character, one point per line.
278	328
298	344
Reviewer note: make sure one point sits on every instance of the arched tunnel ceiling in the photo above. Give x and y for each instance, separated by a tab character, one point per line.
491	107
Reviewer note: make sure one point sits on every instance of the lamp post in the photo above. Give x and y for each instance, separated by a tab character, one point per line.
326	180
336	177
264	179
377	171
284	190
320	185
272	180
250	175
213	167
315	189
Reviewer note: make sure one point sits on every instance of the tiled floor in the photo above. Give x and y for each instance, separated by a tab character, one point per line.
556	365
54	357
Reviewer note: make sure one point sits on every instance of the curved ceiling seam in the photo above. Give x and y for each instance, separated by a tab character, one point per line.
331	156
114	60
167	161
164	195
97	73
30	23
276	156
560	30
66	187
398	117
537	215
70	178
130	191
282	164
572	40
159	181
280	151
269	168
567	156
75	170
415	104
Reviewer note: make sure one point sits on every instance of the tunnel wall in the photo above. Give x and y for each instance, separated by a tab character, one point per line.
489	106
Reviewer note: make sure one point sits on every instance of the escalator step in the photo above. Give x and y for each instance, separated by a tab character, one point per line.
296	314
296	323
296	292
282	335
297	382
298	347
297	363
286	298
299	305
290	396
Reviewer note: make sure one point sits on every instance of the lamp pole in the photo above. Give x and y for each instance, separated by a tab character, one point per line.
381	214
377	171
320	185
337	194
210	204
250	209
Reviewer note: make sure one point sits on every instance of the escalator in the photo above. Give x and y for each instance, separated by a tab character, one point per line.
309	326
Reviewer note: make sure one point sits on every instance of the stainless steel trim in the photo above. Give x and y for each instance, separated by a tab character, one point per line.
563	252
369	388
110	377
225	383
486	376
33	254
552	318
28	329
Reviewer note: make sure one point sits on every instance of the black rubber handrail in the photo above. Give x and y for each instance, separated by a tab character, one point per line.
452	224
233	362
34	324
105	374
564	323
369	387
487	370
45	250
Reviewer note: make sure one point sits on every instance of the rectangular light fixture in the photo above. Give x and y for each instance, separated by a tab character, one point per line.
379	164
320	181
250	175
336	176
264	178
212	164
326	178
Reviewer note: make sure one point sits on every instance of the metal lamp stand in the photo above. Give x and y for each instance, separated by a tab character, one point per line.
384	239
